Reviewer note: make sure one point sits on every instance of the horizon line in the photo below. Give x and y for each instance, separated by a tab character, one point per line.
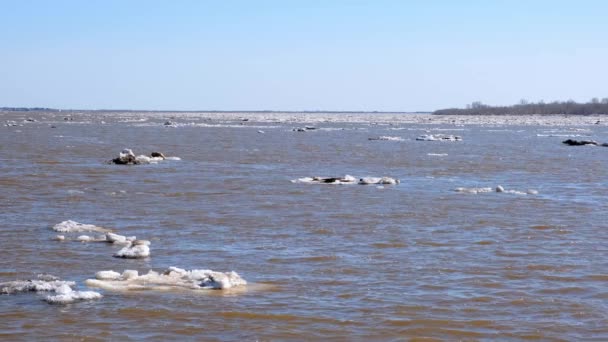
40	109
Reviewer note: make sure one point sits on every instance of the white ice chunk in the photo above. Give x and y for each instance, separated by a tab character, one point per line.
70	226
135	250
386	138
66	295
171	279
43	283
378	180
438	137
118	239
473	190
107	275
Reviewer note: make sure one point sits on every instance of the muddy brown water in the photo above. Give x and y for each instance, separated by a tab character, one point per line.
326	262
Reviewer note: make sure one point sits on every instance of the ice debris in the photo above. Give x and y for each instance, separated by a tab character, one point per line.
70	226
439	137
386	138
44	283
378	180
171	279
348	179
48	283
134	250
498	189
66	295
127	157
304	129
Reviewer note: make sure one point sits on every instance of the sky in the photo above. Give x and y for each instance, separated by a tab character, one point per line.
375	55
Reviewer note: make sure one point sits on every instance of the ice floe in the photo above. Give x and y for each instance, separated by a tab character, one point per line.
48	283
304	129
378	180
43	283
134	250
439	137
118	239
386	138
66	295
127	157
171	279
70	226
473	190
498	189
348	179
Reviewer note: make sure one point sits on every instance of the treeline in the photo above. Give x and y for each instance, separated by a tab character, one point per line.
26	109
595	106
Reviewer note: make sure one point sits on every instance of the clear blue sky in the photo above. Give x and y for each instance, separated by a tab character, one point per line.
300	55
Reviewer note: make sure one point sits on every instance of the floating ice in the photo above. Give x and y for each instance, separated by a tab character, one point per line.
107	275
304	129
498	189
127	157
70	226
473	190
66	295
118	239
84	238
386	138
135	250
44	283
348	179
378	180
438	137
49	283
141	159
171	279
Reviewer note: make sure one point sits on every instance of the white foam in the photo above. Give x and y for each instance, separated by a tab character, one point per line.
437	154
171	279
70	226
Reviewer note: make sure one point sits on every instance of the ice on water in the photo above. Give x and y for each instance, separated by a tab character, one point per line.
70	226
48	283
134	250
172	279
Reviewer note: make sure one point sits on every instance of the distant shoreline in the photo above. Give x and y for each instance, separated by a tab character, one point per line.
593	107
41	109
245	118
